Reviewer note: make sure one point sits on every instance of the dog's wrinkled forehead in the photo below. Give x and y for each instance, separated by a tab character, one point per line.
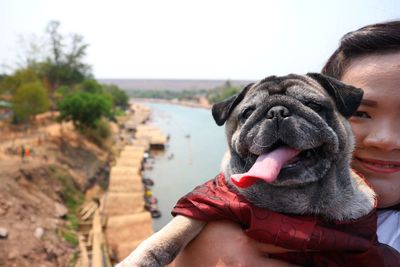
296	86
288	85
309	87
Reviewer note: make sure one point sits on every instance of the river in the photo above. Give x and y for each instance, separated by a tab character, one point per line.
192	156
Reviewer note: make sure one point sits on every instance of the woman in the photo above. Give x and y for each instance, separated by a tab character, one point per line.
368	58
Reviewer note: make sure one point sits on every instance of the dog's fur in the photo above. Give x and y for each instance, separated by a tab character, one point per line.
306	112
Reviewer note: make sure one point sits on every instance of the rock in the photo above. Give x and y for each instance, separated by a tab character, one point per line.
2	211
3	232
39	231
13	252
60	210
4	206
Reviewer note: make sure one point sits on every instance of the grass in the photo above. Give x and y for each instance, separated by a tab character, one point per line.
74	259
72	198
71	237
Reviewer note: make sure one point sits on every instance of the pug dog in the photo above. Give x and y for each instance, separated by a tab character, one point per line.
290	148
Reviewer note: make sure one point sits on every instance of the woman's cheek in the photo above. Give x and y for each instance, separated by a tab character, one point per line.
359	132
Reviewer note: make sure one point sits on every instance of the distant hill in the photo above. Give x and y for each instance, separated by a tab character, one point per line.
172	84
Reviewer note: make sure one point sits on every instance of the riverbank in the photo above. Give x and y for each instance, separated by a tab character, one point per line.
201	103
128	204
192	156
41	193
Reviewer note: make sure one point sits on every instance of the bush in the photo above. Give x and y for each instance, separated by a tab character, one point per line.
85	109
120	98
29	100
91	86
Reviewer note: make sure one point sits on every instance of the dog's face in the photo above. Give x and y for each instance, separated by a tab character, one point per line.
307	113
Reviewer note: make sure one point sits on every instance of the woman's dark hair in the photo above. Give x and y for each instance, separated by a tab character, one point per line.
372	39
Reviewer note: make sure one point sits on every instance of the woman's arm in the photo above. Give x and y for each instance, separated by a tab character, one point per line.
222	244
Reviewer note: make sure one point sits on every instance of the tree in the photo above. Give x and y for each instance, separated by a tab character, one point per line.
91	86
10	84
30	99
85	109
64	65
57	59
221	93
120	98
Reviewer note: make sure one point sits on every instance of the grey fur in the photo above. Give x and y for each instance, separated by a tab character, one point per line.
307	112
326	187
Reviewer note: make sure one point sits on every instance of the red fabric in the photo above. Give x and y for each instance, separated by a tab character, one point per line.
317	242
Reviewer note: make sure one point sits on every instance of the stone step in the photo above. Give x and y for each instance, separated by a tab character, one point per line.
125	232
132	154
134	148
124	170
128	162
126	183
119	203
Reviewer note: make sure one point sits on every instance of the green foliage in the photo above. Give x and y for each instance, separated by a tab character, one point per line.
85	109
70	193
64	65
72	198
61	73
62	92
91	86
10	83
73	260
30	99
70	237
222	93
120	98
33	87
119	112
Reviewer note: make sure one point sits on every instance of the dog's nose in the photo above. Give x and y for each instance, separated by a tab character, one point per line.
278	111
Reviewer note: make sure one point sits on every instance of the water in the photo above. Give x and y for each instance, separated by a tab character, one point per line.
197	145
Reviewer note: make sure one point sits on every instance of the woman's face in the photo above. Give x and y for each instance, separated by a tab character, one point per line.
376	124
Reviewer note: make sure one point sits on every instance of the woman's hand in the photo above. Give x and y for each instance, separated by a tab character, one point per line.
222	244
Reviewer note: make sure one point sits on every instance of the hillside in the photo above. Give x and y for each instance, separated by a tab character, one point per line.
40	193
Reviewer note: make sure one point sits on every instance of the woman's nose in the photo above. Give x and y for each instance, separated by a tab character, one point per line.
385	136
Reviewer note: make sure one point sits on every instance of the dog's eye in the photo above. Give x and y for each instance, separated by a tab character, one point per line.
246	113
314	106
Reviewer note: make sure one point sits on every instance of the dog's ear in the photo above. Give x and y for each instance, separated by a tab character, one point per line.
347	98
222	110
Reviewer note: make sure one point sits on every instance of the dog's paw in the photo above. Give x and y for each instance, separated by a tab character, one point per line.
141	263
144	260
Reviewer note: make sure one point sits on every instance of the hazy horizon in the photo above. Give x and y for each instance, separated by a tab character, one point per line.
176	39
172	84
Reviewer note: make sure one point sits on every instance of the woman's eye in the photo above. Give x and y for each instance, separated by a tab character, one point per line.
361	114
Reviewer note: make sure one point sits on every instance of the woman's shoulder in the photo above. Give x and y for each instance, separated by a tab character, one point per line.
389	227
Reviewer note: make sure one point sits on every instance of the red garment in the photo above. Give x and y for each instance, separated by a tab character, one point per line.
316	241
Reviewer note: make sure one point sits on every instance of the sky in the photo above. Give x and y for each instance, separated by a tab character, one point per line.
186	39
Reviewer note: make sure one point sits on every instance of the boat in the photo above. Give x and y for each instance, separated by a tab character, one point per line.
148	181
155	213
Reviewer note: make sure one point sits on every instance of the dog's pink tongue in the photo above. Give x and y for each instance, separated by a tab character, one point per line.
266	167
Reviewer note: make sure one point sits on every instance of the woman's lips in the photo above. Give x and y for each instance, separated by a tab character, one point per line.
379	166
